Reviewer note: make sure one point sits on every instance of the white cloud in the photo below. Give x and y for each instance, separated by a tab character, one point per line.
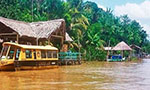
100	6
139	12
147	28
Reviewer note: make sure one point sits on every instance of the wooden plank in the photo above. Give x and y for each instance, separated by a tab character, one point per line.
14	37
3	34
57	36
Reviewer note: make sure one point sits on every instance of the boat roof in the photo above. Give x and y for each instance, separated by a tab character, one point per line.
48	47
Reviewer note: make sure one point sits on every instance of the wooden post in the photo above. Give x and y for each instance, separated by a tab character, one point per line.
107	55
62	41
122	53
37	43
130	55
17	38
48	41
2	52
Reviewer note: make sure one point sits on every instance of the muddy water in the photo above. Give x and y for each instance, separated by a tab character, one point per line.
88	76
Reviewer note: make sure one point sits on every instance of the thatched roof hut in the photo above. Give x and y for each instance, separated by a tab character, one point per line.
33	32
136	51
122	46
133	46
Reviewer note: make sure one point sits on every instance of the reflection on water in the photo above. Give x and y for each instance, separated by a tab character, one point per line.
88	76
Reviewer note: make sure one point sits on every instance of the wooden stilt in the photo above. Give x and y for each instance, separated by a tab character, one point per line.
65	62
107	55
122	53
62	42
37	41
48	41
17	38
130	55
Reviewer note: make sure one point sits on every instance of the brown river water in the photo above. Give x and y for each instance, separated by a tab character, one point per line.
88	76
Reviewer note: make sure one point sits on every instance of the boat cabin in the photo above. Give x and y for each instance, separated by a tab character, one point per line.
28	55
13	51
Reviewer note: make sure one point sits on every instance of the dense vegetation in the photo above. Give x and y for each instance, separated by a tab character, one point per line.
91	27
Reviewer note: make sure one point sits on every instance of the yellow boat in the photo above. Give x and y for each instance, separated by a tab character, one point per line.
25	57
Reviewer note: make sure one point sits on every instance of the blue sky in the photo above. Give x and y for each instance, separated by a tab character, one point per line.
113	3
138	10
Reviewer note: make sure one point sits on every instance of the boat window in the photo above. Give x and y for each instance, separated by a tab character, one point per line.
11	52
43	54
54	54
49	54
4	52
28	54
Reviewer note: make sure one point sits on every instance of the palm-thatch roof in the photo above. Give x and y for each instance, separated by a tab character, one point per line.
122	46
42	29
108	48
135	46
1	40
22	28
68	38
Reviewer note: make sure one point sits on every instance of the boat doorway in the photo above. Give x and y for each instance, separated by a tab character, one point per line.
34	54
17	54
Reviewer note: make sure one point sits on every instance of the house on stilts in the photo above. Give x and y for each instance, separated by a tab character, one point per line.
35	33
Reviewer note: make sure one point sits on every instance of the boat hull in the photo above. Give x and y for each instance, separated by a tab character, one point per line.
115	60
9	67
30	65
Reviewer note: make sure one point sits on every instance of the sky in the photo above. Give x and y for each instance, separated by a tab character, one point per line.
138	10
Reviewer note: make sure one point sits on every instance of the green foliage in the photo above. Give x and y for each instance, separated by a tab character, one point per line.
93	53
90	27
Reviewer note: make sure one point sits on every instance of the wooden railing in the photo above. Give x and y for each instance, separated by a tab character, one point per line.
69	56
